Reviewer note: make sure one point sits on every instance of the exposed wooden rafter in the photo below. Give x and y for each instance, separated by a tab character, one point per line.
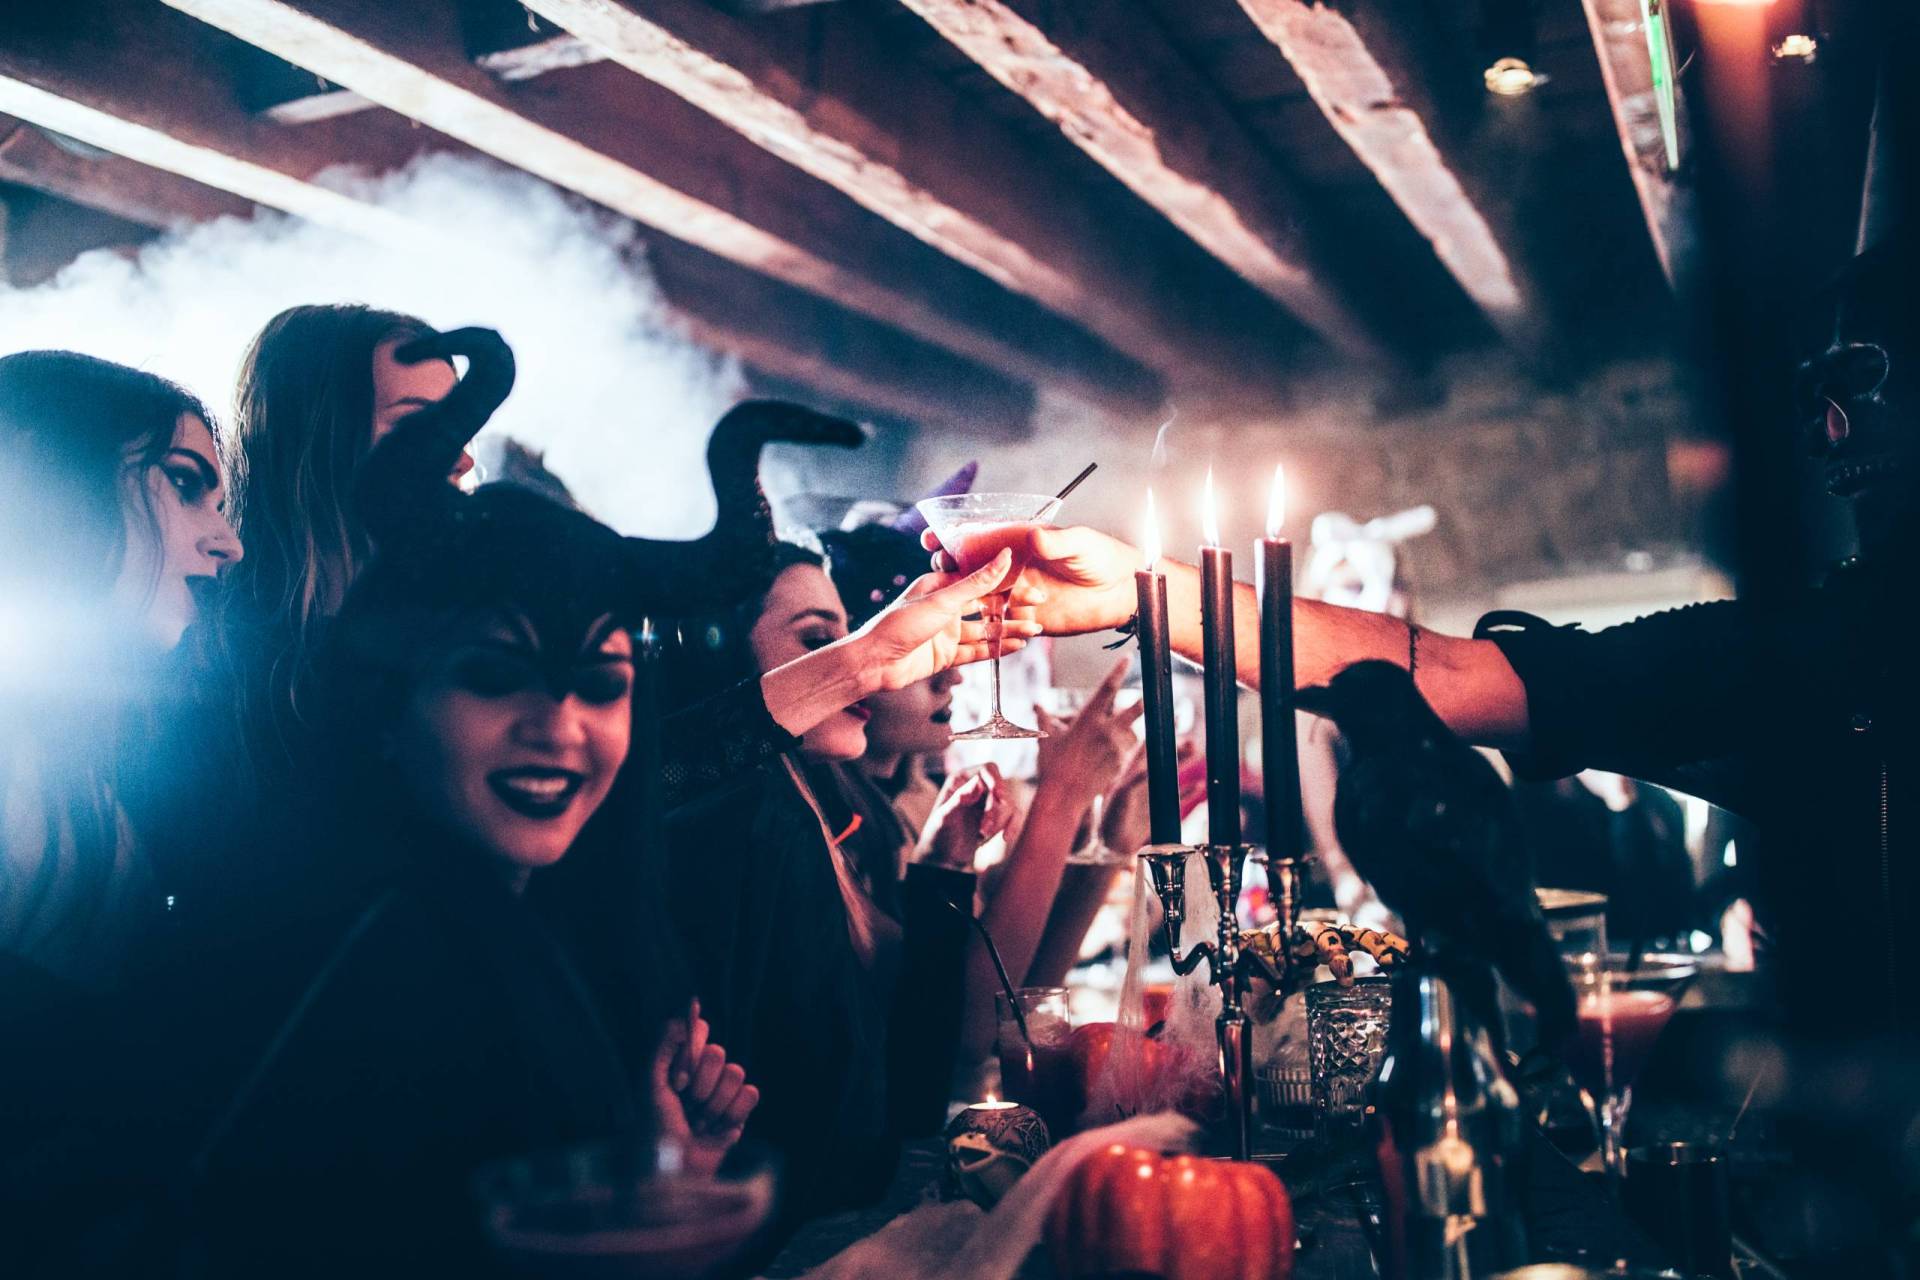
1360	67
654	158
794	336
145	87
79	75
1120	93
833	97
522	62
1626	67
109	183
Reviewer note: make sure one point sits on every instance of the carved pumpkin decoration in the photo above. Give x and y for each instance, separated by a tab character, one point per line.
1127	1210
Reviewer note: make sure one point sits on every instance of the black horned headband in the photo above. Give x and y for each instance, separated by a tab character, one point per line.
410	510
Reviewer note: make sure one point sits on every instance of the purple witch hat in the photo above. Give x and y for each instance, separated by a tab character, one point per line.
912	522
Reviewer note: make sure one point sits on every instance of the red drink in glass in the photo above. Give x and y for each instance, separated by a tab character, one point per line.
975	543
1618	1027
974	528
1045	1078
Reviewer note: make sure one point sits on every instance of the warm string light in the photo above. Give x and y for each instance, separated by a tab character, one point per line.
1150	537
1210	513
1511	78
1277	501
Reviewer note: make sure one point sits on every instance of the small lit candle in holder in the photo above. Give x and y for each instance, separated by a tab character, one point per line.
1221	680
989	1145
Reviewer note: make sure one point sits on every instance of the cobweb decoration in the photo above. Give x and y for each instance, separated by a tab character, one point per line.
1187	1051
957	1241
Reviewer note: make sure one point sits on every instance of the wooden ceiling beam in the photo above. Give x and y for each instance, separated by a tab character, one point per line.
1119	91
646	154
201	128
831	95
780	331
521	62
1620	40
1363	69
109	183
147	86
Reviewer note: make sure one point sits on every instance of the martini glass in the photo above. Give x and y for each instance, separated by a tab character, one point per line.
1622	1011
974	528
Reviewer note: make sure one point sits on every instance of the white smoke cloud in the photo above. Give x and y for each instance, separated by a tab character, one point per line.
620	403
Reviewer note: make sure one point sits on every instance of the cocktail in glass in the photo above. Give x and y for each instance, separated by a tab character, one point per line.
1037	1067
974	528
1622	1011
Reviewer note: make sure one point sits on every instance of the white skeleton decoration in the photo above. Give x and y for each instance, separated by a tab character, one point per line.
1356	564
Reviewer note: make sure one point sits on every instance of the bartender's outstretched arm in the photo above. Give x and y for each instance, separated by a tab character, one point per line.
1081	580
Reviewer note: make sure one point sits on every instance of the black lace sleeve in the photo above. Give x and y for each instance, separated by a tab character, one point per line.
710	742
1648	698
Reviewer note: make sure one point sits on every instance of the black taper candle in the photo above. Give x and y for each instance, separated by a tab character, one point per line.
1223	717
1279	743
1156	693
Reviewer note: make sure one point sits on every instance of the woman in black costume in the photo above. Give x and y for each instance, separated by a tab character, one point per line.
838	985
478	688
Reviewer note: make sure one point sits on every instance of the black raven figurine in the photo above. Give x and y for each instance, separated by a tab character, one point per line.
1430	824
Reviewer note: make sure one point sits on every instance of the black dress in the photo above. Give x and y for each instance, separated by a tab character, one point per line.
850	1052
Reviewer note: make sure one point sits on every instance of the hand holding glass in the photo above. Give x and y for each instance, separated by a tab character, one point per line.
974	528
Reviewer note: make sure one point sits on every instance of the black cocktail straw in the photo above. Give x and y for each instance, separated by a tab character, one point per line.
993	954
1073	484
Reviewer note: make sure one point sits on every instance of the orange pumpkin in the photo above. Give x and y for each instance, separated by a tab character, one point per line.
1178	1217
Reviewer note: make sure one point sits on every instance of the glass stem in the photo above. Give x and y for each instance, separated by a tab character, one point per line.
1613	1133
996	617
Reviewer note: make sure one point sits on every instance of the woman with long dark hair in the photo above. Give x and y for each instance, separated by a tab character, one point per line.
318	386
477	689
112	520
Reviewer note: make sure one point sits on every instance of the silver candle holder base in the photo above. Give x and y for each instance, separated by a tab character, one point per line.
1166	866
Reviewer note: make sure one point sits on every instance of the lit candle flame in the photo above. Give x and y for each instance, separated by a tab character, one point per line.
1210	513
990	1099
1277	501
1150	539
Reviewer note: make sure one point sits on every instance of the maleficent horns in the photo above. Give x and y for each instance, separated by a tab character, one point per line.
410	509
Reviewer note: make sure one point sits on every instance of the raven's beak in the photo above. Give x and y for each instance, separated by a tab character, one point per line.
1316	700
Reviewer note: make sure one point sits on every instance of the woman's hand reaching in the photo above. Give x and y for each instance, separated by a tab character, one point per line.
972	808
700	1099
1083	755
935	625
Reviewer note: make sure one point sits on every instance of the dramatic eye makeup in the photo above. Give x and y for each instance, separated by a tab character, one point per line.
816	628
192	476
497	667
494	670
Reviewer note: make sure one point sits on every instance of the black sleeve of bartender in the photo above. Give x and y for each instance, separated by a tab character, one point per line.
716	740
1646	698
923	1031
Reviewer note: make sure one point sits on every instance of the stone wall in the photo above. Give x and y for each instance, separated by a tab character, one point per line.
1528	484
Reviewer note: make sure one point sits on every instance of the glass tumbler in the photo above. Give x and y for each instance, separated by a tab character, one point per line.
1346	1039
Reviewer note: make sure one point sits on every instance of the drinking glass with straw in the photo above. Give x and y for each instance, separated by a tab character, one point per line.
976	527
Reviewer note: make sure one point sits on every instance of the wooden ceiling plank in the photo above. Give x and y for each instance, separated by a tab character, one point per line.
795	336
110	183
833	97
646	154
78	77
1103	75
147	87
1367	83
1620	41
